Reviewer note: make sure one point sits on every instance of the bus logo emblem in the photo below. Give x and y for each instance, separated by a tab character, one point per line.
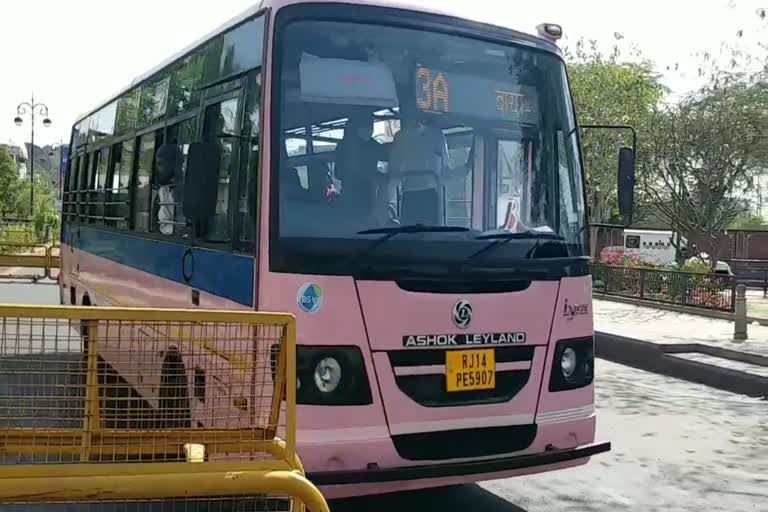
462	314
310	298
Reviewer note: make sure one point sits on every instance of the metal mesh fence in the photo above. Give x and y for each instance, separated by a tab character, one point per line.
707	291
140	405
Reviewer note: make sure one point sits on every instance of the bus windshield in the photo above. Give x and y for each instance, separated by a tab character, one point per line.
386	126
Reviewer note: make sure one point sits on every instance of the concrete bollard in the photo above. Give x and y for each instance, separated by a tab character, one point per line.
740	314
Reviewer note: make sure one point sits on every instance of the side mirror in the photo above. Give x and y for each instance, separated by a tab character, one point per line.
200	181
626	188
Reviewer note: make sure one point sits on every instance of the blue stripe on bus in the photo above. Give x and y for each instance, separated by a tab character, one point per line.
220	273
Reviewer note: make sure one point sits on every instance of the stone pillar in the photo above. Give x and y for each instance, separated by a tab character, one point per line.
740	314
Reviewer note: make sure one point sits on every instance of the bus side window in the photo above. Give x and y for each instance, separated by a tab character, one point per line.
117	211
249	167
70	192
143	174
91	187
96	210
170	170
82	189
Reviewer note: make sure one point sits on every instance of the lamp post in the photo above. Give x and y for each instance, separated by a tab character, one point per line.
31	108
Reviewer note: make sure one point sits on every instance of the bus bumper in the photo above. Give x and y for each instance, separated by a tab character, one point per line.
458	469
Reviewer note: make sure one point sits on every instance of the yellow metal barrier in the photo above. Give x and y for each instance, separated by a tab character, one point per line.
118	405
19	260
54	262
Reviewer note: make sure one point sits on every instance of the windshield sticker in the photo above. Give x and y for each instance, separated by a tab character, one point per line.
450	340
310	298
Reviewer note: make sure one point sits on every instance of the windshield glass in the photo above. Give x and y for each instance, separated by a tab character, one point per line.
383	126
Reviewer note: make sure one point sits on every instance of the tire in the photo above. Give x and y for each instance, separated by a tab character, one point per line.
174	408
84	329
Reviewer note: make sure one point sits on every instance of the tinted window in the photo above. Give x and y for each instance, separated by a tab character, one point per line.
185	82
234	52
127	112
154	101
103	122
247	206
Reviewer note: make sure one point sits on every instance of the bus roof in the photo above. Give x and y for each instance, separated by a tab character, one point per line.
277	4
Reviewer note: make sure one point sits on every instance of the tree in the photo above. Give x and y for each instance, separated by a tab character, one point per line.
749	221
705	152
609	89
708	148
9	179
45	217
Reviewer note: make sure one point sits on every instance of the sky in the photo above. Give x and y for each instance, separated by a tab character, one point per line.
75	54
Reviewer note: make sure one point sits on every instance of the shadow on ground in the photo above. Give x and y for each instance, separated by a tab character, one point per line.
463	498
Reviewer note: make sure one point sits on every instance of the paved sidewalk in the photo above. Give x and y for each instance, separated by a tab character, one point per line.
689	347
667	327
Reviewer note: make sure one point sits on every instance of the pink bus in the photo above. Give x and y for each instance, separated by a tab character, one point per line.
409	184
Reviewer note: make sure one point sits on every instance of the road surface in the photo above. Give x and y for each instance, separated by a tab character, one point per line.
677	446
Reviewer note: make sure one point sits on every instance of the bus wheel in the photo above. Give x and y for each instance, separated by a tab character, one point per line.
174	395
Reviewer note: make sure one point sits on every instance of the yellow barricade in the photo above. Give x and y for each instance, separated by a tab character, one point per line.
118	405
19	260
54	262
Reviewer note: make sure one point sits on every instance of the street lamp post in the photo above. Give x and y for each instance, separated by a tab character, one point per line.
31	108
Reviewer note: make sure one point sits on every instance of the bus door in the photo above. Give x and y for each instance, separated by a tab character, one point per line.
510	190
219	124
79	209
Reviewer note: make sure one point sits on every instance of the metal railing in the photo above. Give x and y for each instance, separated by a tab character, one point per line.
33	261
751	272
707	291
28	251
26	231
124	405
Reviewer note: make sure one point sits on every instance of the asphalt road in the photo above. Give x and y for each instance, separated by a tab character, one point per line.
23	292
677	446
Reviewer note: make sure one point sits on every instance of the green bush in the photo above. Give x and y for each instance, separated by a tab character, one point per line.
696	266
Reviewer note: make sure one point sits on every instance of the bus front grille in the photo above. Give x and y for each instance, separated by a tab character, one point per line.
467	443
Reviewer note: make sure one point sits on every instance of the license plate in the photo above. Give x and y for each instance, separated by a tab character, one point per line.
469	370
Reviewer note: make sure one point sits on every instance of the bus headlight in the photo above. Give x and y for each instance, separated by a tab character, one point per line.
327	375
331	375
572	365
568	363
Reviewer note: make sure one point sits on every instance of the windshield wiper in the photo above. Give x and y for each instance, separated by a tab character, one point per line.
502	237
393	231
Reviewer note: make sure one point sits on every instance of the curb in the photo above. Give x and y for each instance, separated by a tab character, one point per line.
652	357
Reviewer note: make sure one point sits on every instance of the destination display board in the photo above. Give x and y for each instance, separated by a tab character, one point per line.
440	92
